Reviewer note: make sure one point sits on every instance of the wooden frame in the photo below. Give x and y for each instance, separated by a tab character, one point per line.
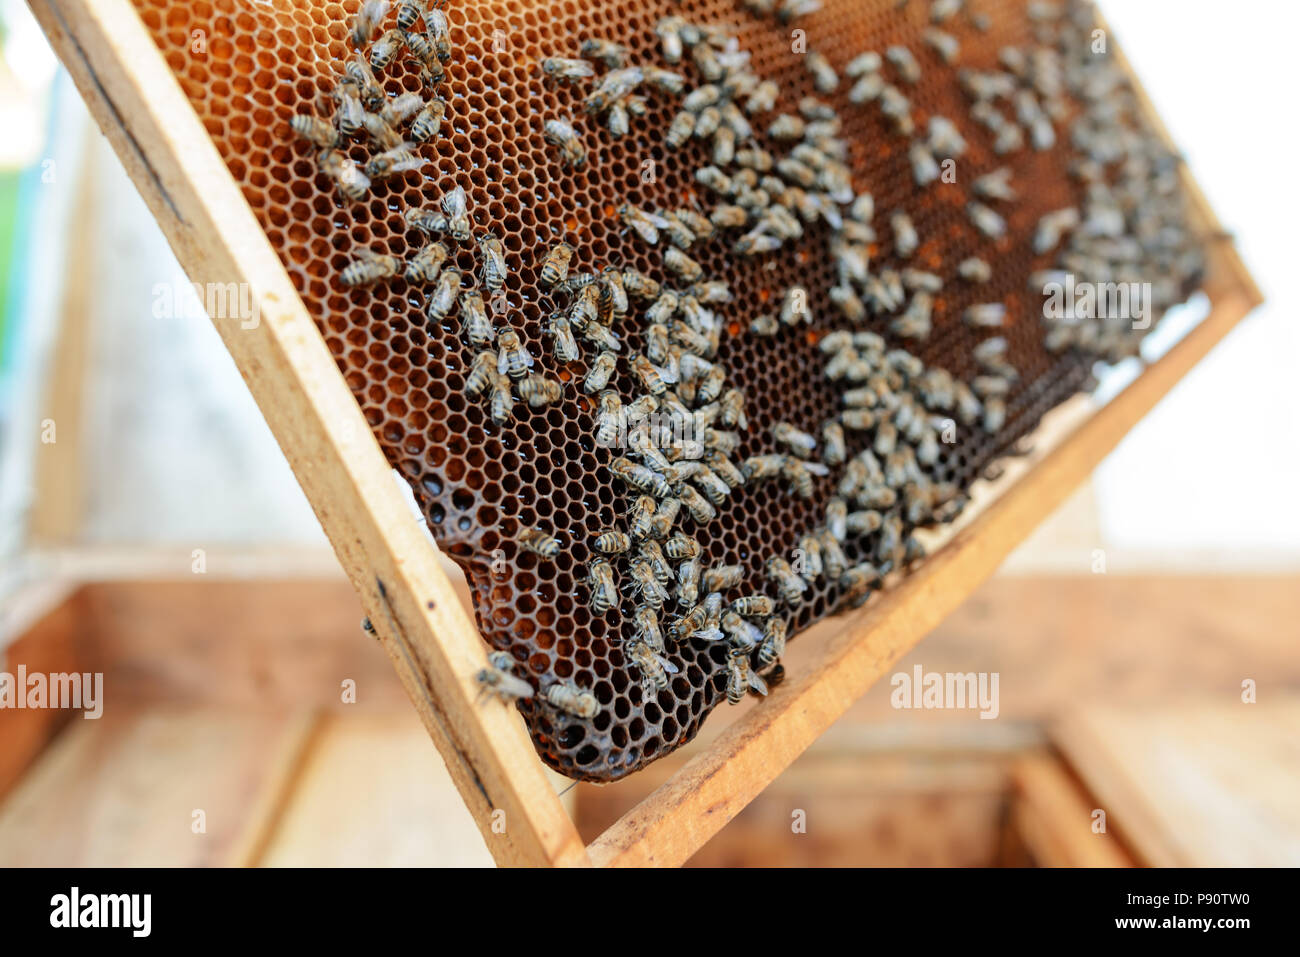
430	639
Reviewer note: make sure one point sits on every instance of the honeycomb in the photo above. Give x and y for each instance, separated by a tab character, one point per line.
478	483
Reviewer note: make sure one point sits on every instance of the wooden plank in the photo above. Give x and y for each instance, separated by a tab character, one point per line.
1053	816
1204	783
122	791
431	640
856	650
372	793
58	505
48	644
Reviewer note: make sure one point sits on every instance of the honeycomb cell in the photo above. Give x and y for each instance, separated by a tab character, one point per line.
478	483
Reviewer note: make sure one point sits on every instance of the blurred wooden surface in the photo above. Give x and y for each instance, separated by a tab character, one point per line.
1199	784
224	695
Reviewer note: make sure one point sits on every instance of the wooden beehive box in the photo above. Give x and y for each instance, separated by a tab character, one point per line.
433	643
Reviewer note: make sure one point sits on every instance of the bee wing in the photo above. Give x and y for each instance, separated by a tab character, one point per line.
668	666
503	361
757	683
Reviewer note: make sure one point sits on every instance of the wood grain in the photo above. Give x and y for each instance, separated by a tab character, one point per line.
121	791
1205	783
431	641
1054	818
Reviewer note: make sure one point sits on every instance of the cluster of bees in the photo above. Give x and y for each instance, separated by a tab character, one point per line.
772	177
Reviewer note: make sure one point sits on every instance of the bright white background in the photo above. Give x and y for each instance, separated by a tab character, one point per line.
1216	467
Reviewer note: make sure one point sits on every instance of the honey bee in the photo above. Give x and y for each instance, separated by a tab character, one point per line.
858	580
381	132
613	87
834	560
725	469
611	541
639	477
609	418
995	414
358	71
1053	227
987	315
350	112
494	261
539	391
599	335
568	68
428	121
600	578
700	508
741	678
714	488
435	18
454	207
800	443
680	129
995	185
742	635
425	50
655	668
669	31
665	517
367	20
645	224
987	221
568	697
755	606
811	560
444	294
915	322
612	54
502	401
513	358
975	270
640	286
482	372
824	77
400	159
555	267
408	11
863	522
385	48
427	263
498	679
474	320
540	542
651	552
565	346
315	131
790	585
765	325
773	644
598	375
562	134
688	582
905	238
721	577
643	579
612	292
695	621
794	306
639	517
368	267
800	475
649	375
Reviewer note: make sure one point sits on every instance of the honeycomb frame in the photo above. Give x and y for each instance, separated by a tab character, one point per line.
478	485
